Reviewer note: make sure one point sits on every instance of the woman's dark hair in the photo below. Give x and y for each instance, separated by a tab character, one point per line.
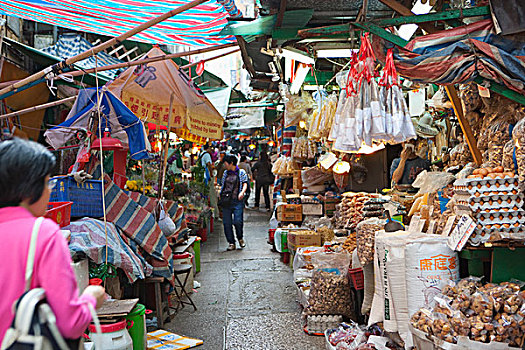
243	158
24	166
230	159
264	157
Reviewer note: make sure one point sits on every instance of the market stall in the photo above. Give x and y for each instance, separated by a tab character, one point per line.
429	261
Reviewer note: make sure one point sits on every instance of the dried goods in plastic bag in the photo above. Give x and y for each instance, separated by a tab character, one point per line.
366	231
330	294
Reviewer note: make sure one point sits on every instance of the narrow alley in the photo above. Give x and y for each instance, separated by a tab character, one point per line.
247	298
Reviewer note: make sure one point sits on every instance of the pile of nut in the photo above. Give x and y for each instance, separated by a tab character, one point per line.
492	312
350	243
350	210
330	294
366	233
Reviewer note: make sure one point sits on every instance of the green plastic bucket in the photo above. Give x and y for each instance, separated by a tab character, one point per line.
138	327
197	250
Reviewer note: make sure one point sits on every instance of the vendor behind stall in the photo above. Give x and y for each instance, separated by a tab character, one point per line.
405	169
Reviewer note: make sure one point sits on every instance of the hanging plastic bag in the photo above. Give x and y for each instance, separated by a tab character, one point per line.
167	226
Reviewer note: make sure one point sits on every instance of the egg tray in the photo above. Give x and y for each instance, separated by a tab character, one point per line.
501	217
507	184
491	203
484	236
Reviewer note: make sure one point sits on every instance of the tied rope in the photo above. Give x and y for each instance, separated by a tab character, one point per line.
389	77
99	100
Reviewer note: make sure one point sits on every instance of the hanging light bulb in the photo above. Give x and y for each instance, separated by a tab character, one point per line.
251	146
341	167
194	150
271	143
302	124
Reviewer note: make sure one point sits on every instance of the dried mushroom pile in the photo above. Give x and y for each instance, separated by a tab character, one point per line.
484	313
330	294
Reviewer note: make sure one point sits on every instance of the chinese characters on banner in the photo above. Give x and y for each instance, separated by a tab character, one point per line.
439	262
153	113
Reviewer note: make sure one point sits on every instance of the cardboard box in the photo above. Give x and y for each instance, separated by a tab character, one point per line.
296	239
329	206
297	180
290	217
312	208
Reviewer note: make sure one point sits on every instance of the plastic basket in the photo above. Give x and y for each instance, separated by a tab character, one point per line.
86	197
356	278
59	212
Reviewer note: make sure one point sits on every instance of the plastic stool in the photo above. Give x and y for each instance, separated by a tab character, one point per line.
181	269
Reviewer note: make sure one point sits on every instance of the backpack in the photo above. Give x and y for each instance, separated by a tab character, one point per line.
34	326
228	191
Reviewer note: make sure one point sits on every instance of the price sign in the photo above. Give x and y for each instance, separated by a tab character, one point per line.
461	233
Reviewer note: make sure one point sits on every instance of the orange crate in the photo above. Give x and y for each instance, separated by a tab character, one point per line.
59	212
357	278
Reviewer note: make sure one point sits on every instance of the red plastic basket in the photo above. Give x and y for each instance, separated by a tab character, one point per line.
59	212
356	278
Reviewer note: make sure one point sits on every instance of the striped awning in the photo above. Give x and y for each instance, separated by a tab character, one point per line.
198	26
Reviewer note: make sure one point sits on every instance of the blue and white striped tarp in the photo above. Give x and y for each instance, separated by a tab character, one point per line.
69	45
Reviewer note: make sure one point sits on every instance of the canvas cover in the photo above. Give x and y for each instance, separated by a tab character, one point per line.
199	26
459	55
123	124
146	90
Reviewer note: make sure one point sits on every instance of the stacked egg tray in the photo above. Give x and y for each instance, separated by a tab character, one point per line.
496	205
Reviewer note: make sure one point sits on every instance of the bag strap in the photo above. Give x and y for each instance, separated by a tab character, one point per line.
31	253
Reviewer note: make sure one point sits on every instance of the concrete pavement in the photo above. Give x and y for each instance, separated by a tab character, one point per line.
247	298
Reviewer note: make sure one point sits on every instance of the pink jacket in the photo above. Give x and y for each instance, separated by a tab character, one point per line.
52	271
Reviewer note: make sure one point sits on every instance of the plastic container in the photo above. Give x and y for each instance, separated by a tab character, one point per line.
59	212
114	336
271	236
137	331
197	251
95	282
357	278
86	197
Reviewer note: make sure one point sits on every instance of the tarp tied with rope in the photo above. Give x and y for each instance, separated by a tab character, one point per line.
460	55
69	45
199	26
121	122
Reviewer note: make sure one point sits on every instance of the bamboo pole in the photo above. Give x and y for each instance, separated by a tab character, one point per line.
139	62
72	98
37	108
100	47
166	148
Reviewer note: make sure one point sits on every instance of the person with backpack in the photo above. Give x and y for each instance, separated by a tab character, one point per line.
234	187
262	171
204	161
25	188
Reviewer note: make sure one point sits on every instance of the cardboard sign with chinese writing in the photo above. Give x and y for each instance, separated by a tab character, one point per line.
461	233
448	225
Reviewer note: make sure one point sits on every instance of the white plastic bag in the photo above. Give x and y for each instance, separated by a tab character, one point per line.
167	226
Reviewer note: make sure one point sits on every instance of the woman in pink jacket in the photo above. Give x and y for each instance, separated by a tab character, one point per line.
25	167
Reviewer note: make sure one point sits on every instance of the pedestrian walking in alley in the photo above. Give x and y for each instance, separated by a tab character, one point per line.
244	165
262	172
231	199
